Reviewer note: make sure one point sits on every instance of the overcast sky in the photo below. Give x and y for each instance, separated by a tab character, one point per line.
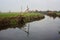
15	5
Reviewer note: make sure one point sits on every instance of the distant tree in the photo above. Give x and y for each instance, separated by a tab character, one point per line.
9	11
0	12
59	11
36	10
48	11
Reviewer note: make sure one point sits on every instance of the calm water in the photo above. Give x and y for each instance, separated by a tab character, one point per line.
45	29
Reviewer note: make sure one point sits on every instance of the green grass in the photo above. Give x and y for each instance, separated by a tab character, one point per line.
4	15
7	22
58	13
32	14
27	16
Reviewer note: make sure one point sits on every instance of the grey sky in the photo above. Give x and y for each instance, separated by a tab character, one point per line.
15	5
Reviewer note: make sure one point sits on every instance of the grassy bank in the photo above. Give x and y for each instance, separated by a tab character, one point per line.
32	16
58	14
53	14
17	14
17	19
7	14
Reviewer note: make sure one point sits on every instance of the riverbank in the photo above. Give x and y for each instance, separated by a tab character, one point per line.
18	19
53	14
58	14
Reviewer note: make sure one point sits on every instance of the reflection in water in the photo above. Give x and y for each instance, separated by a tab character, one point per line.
59	32
14	23
26	29
53	17
53	14
6	23
46	29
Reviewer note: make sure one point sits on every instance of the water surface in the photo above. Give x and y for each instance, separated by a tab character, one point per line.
45	29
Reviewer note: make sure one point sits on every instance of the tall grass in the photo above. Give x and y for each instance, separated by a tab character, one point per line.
13	20
17	18
4	15
58	14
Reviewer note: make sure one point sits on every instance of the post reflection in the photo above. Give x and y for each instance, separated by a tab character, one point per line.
26	29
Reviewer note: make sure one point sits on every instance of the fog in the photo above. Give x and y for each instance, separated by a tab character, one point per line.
15	5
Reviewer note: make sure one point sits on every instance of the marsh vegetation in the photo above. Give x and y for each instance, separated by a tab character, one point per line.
18	19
